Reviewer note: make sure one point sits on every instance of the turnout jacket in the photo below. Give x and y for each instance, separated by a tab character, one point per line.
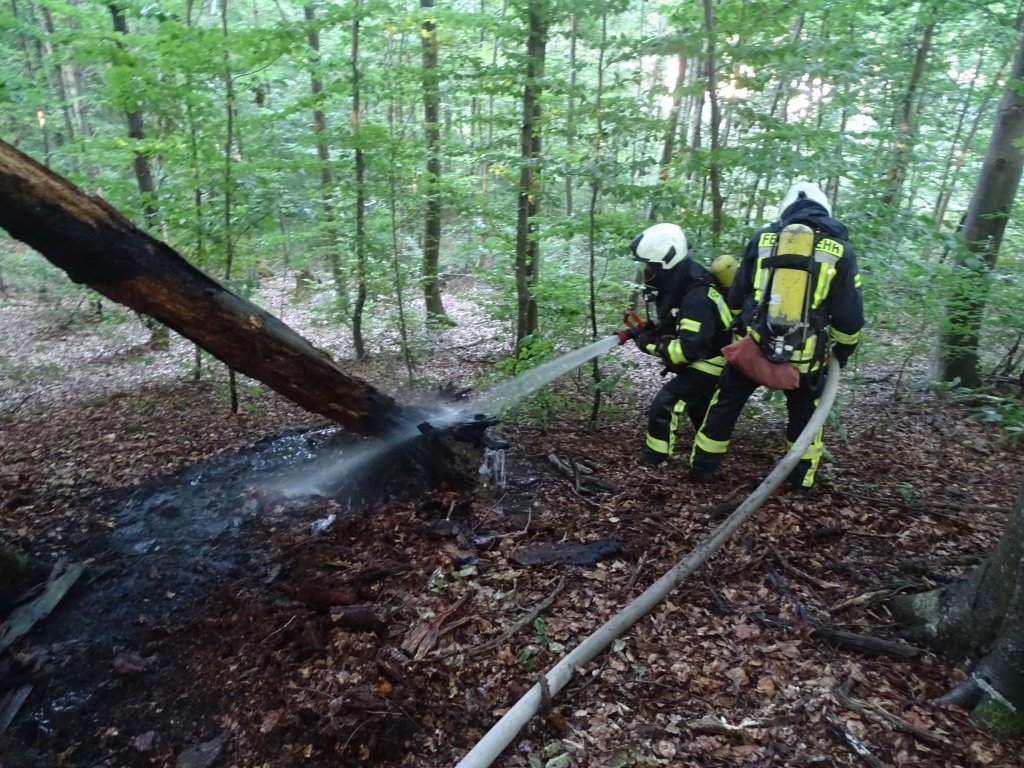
692	319
837	292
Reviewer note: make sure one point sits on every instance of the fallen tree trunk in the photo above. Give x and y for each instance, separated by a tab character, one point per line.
97	246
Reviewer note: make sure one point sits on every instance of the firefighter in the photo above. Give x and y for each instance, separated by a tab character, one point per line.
687	331
837	309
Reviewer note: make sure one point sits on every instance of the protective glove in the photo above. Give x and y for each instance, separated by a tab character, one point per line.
648	340
842	352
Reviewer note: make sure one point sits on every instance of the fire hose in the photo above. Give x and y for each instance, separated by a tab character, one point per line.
501	734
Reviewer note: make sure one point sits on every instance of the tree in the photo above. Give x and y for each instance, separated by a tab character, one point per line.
905	120
360	182
527	243
715	173
137	133
97	246
323	153
982	234
159	335
980	619
432	180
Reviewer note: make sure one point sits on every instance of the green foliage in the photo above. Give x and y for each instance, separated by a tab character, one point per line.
824	103
21	372
1008	412
531	351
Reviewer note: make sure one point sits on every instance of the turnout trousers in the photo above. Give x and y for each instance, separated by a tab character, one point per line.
689	392
734	389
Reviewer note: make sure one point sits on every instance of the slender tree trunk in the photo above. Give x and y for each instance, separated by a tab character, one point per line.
229	147
35	66
980	620
360	201
698	120
658	209
485	166
198	208
715	167
137	133
396	140
436	315
983	228
159	336
948	186
527	244
596	183
323	154
570	109
905	127
60	76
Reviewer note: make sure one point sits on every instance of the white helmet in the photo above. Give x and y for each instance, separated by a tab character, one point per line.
663	244
805	190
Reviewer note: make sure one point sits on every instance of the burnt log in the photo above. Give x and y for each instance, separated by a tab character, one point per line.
97	246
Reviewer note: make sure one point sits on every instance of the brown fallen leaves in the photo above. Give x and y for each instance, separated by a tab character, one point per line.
358	645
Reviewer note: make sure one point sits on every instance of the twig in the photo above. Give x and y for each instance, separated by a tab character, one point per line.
866	643
281	628
504	636
720	727
864	707
927	564
856	746
581	475
866	597
720	605
851	640
776	582
788	567
640	563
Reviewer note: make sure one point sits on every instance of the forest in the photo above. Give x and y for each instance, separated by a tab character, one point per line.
243	244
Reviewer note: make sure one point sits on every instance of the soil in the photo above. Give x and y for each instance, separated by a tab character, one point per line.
222	622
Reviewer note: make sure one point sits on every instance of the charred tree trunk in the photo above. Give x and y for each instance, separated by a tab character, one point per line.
97	246
980	620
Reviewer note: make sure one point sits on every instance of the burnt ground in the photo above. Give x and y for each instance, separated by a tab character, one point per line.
220	623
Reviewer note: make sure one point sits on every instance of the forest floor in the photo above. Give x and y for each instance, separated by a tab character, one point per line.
218	623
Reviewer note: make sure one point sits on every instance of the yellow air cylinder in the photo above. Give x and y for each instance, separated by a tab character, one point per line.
789	288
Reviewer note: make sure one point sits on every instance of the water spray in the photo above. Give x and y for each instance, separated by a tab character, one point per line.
328	475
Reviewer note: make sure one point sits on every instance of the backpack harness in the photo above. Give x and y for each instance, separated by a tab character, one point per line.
794	272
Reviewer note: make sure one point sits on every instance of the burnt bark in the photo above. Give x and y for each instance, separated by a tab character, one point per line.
979	621
97	246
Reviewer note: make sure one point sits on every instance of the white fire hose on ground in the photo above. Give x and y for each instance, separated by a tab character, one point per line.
501	734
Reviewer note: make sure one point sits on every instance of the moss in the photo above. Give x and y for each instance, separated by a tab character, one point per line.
999	719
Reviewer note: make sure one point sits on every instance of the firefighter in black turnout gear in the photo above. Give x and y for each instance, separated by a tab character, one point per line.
687	331
833	311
